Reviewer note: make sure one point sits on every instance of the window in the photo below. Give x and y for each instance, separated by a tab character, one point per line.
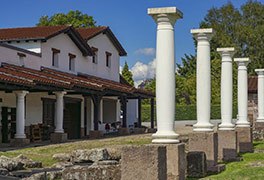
95	56
55	57
21	58
108	59
72	62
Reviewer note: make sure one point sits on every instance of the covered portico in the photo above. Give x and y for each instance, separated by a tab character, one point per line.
26	89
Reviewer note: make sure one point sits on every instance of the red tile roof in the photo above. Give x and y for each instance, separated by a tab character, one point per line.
27	33
253	84
88	33
47	77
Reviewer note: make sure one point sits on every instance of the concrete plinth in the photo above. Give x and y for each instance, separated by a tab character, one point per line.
151	162
144	162
227	145
196	164
258	132
176	161
123	131
18	142
95	134
206	142
58	137
244	139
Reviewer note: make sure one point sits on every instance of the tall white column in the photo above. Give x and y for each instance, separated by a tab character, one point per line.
226	88
20	114
242	92
59	112
165	73
203	79
260	73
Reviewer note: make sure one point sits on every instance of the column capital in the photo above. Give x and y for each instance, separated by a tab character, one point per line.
242	62
165	15
21	93
228	51
203	34
60	93
260	72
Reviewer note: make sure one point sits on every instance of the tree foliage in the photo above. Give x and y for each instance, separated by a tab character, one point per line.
127	75
75	18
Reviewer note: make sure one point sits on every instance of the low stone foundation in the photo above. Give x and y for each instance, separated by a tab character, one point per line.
245	140
208	143
123	131
58	137
258	132
151	130
196	164
227	145
17	142
95	134
139	130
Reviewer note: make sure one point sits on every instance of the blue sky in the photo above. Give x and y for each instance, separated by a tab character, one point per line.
128	20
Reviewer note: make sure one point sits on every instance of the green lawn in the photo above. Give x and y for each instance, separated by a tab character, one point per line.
251	168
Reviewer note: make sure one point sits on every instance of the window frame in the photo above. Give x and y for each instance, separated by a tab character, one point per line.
72	58
95	56
108	56
55	52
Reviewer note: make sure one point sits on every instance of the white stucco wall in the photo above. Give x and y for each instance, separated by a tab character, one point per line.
31	45
10	56
131	111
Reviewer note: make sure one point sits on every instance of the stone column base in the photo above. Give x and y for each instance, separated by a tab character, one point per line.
258	132
244	139
18	142
123	131
153	162
95	134
151	130
196	164
207	143
227	145
58	137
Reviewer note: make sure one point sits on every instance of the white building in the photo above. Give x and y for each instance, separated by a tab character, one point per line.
64	80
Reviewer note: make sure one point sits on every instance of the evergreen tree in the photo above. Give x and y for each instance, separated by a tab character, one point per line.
127	75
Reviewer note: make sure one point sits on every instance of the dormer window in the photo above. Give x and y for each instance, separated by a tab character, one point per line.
95	56
108	59
72	62
21	57
55	57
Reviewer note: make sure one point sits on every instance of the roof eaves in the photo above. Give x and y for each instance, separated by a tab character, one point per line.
20	49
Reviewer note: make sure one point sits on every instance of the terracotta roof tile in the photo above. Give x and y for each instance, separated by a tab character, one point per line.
88	33
26	33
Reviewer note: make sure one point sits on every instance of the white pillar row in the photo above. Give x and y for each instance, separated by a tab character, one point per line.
260	73
165	73
242	92
20	114
203	79
59	112
226	88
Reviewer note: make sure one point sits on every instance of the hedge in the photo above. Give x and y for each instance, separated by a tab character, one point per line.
187	112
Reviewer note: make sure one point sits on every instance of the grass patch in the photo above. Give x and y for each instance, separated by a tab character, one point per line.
252	167
45	153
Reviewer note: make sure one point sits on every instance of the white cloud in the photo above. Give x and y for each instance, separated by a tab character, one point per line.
143	71
146	51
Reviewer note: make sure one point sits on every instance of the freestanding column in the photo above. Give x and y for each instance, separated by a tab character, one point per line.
203	79
20	114
226	88
260	73
242	92
165	73
59	112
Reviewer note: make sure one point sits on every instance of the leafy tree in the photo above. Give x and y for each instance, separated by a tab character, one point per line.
75	18
127	75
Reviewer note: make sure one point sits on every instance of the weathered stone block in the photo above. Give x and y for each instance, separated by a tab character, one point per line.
18	142
151	130
176	161
58	137
139	130
89	155
206	142
95	134
196	164
258	132
227	145
123	131
94	172
244	139
144	162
